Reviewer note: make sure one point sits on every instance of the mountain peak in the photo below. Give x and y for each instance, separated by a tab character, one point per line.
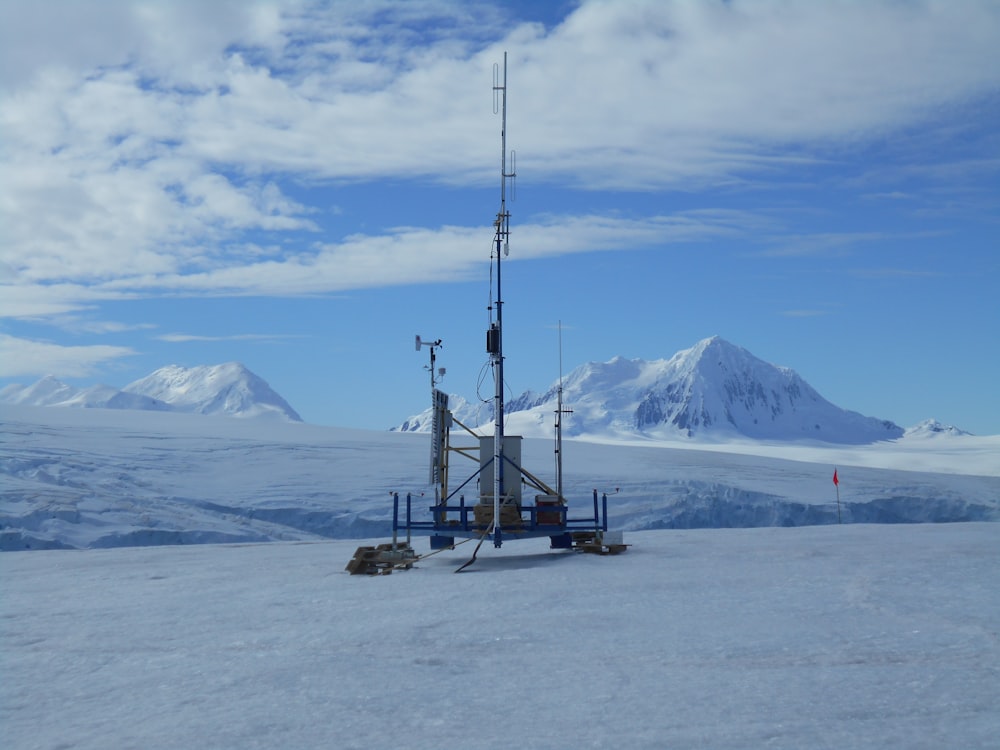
713	389
228	389
718	387
714	340
715	347
933	428
47	391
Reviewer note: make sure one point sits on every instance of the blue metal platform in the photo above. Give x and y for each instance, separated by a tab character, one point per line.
449	521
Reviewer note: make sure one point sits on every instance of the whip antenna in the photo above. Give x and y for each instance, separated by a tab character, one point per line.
494	337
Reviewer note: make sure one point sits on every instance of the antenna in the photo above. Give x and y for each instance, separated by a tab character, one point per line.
494	337
559	412
439	405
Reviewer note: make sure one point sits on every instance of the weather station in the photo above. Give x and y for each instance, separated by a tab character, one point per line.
505	500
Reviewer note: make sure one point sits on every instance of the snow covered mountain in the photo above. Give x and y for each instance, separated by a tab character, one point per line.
712	390
469	413
46	392
933	428
49	391
229	389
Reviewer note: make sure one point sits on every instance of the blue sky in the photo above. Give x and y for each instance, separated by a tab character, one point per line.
303	187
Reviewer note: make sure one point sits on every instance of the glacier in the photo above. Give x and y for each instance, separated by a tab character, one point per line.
105	478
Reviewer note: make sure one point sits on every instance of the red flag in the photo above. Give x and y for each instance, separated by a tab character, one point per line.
835	480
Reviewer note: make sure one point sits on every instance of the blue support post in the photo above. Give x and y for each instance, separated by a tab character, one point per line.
409	506
395	516
604	508
597	519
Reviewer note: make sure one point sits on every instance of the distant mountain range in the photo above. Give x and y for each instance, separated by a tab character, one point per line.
229	389
713	390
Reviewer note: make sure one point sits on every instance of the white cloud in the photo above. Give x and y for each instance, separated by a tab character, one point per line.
834	243
647	93
83	324
183	338
25	357
414	255
82	35
638	93
147	144
47	300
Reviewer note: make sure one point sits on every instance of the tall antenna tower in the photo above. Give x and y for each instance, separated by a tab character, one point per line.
494	337
502	480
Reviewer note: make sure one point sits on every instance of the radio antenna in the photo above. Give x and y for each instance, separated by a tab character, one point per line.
494	339
559	416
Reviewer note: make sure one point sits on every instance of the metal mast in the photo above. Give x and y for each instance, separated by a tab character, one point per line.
559	414
439	403
494	338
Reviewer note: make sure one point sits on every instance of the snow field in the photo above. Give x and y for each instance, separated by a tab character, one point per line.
823	637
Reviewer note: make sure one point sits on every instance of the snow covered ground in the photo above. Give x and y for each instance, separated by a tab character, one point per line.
859	635
853	636
106	478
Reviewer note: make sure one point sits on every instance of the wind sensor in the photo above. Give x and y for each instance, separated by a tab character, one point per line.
440	371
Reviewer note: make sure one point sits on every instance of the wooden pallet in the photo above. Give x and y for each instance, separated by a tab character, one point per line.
593	542
381	560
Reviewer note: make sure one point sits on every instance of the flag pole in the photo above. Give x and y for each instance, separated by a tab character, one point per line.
836	483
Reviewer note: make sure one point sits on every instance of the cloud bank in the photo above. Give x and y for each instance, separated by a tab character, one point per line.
164	148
